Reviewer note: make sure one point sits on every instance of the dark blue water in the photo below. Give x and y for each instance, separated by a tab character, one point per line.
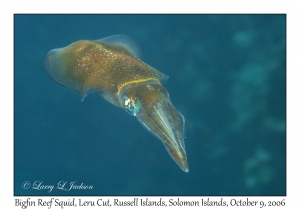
227	77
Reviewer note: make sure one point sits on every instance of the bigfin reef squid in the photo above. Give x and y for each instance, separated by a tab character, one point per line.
112	67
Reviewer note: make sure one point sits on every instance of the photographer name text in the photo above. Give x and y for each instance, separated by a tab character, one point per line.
61	185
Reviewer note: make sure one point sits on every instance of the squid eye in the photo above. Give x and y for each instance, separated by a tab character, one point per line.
130	106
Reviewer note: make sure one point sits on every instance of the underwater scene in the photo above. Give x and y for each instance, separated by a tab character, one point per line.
148	105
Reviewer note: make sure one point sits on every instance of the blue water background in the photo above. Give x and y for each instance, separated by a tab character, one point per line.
227	76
